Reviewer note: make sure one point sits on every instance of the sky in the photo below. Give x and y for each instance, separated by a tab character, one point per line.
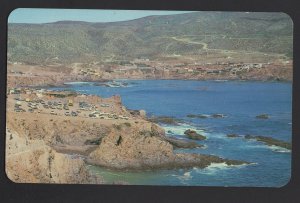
34	15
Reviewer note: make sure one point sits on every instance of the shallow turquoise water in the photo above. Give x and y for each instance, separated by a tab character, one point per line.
240	101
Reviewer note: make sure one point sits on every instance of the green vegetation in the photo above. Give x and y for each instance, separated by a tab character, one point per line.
150	37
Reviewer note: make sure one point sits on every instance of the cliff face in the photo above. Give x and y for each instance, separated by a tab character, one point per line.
46	148
56	130
32	161
132	148
138	149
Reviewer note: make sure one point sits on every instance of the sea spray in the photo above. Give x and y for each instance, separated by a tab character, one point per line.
181	128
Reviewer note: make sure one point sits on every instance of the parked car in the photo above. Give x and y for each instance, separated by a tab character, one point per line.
53	113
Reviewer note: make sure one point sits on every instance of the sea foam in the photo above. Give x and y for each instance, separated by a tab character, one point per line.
78	83
272	147
184	177
214	168
181	128
279	149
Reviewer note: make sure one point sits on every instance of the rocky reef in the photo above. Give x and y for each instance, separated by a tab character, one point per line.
192	134
180	143
263	116
270	141
217	115
264	139
233	135
197	116
164	120
51	148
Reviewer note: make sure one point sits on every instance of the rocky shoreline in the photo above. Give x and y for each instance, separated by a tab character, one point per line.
131	149
270	141
180	161
127	140
20	75
265	140
32	161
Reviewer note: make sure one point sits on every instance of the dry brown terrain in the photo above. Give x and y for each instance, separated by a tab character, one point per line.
50	140
32	161
280	69
53	144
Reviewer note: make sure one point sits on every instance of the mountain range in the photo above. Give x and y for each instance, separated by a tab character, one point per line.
152	37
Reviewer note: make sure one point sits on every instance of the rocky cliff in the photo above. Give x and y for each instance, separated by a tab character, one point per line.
138	149
32	161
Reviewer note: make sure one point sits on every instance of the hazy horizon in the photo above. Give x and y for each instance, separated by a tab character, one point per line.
40	16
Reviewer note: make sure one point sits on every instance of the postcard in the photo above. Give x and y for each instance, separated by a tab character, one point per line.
136	97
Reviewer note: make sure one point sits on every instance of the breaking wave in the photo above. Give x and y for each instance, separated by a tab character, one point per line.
181	128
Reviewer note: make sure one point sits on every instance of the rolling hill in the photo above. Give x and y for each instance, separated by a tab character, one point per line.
152	37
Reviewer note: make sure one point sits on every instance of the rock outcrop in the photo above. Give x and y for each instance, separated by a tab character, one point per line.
133	149
127	148
270	141
51	148
192	134
180	143
32	161
218	115
142	113
263	116
233	135
56	130
197	116
164	120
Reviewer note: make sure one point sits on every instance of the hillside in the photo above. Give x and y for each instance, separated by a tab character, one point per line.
155	37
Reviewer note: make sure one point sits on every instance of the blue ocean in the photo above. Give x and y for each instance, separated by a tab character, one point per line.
240	101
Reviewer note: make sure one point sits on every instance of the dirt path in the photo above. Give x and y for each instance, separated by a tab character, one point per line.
33	148
187	40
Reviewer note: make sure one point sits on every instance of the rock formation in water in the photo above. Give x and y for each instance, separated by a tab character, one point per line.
180	143
56	148
270	141
136	149
233	135
192	134
263	116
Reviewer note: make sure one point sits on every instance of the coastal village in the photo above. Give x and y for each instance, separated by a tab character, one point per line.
81	129
58	136
20	74
186	70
